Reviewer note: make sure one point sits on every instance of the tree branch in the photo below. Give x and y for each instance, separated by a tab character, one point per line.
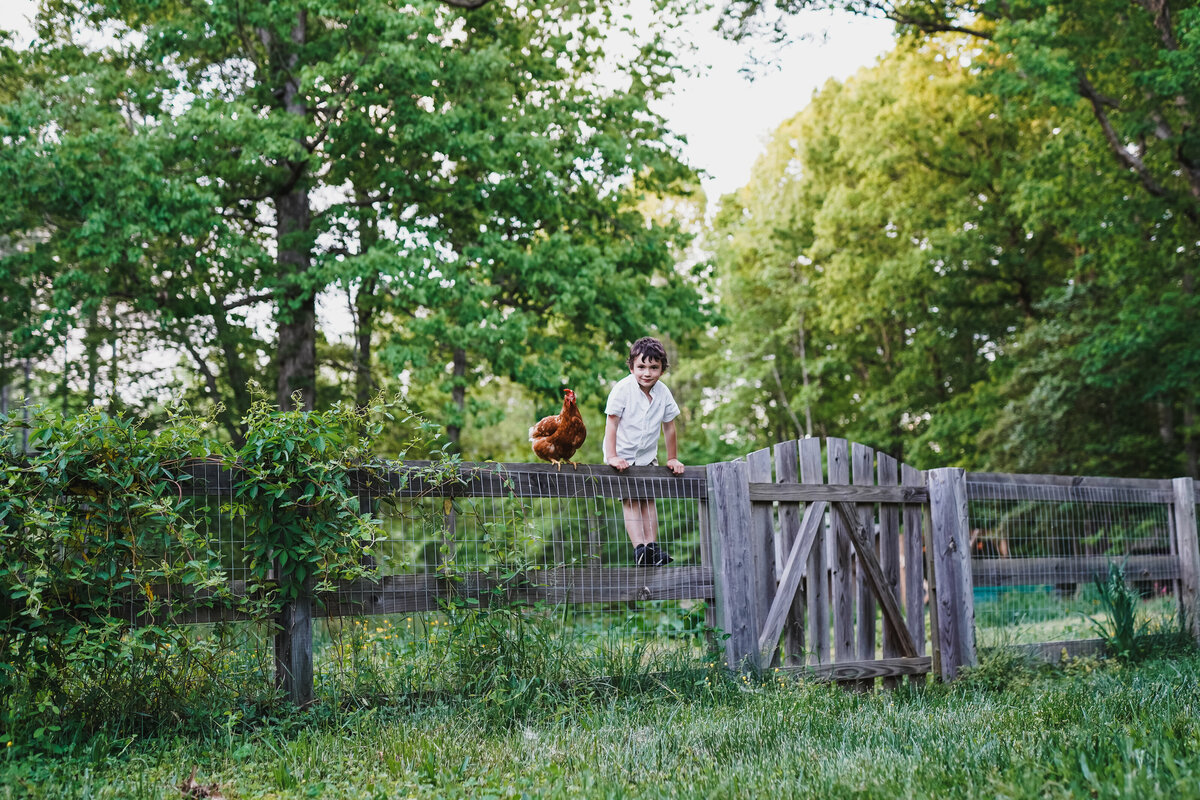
1118	148
248	301
1161	12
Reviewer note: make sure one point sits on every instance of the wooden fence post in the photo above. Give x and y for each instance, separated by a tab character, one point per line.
837	452
1189	553
952	570
736	569
862	465
914	563
293	648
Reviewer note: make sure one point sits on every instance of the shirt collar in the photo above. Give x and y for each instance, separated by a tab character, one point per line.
655	390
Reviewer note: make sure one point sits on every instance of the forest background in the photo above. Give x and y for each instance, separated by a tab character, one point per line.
979	252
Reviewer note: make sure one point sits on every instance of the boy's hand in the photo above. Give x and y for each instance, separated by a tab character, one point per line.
618	463
675	466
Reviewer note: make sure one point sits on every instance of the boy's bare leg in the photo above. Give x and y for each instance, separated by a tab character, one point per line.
635	521
649	521
641	523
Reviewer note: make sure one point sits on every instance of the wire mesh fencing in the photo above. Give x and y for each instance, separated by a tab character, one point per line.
1037	549
481	570
518	568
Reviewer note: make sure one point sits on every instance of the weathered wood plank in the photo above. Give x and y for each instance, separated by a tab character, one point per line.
1033	571
862	468
931	582
951	565
1189	553
864	670
294	649
767	492
838	457
873	573
183	605
416	479
1054	652
914	562
817	578
764	541
797	562
537	480
1004	486
787	471
706	561
402	594
729	503
889	548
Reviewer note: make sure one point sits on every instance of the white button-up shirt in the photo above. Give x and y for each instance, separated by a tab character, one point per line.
641	418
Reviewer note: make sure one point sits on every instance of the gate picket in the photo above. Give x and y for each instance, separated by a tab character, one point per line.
818	562
786	472
838	455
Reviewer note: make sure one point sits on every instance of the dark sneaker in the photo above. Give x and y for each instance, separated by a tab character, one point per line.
641	556
656	556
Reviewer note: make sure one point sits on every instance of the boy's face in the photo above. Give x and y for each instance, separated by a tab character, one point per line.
646	372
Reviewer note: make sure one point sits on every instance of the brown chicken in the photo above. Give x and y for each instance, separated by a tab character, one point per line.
556	438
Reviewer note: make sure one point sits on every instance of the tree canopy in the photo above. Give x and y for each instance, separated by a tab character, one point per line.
991	236
218	180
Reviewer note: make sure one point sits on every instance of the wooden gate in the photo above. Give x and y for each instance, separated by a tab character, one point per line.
828	565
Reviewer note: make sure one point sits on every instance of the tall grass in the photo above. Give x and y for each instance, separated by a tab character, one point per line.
1092	729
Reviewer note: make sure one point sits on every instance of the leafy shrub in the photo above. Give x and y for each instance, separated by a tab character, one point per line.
293	478
92	522
97	519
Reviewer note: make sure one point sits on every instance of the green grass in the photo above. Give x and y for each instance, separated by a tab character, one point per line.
1038	614
1089	730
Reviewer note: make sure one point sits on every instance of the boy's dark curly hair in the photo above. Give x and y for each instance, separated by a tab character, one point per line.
650	349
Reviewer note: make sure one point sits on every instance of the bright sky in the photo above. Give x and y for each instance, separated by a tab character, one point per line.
725	117
728	118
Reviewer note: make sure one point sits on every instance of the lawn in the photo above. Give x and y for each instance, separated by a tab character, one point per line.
1091	729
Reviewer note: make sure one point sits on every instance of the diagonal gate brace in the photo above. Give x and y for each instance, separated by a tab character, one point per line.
867	559
794	568
797	559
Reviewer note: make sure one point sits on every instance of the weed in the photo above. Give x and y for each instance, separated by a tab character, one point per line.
1121	626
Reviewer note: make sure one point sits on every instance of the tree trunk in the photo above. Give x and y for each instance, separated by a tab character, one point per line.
808	426
92	343
1166	423
1189	438
458	396
238	380
364	321
364	315
296	356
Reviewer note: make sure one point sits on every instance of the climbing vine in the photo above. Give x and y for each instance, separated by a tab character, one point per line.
105	540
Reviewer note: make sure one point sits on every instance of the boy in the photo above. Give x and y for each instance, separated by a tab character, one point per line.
638	407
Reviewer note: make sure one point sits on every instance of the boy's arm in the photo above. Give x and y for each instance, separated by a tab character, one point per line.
610	444
673	463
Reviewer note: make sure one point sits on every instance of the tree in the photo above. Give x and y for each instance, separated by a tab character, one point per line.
880	249
211	171
1113	81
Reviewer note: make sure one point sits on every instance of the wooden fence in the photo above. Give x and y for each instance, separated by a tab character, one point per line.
828	559
894	556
